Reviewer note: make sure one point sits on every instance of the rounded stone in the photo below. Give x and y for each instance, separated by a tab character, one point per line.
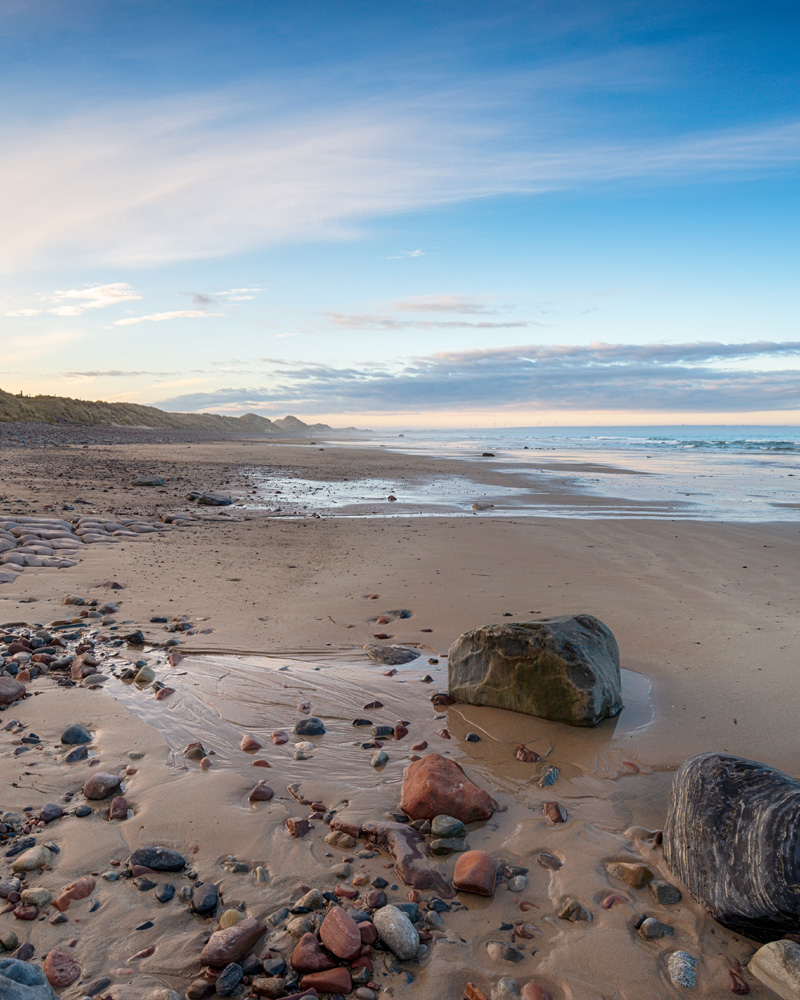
340	934
447	826
397	932
60	969
76	734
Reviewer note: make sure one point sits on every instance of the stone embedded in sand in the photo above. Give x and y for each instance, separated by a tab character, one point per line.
279	737
391	655
533	991
630	873
148	481
733	839
10	690
681	967
232	944
333	981
261	793
499	951
564	668
473	992
60	969
338	838
119	808
555	812
249	744
205	897
309	957
475	871
32	859
75	735
397	932
434	785
101	785
79	889
572	910
297	827
777	966
652	929
340	934
664	893
158	859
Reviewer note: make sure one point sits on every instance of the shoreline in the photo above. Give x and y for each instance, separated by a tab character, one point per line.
695	606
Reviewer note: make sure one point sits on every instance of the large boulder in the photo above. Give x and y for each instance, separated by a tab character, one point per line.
733	838
564	668
23	981
435	785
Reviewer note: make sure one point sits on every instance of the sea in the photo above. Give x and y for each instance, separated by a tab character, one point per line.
718	473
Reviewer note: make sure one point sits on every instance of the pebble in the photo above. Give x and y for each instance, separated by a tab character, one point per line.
475	871
312	900
159	859
32	859
164	892
447	826
550	861
555	812
632	874
682	968
205	897
378	758
572	910
397	932
340	934
651	929
229	979
518	883
310	726
101	785
340	839
60	969
499	951
447	845
664	893
505	988
76	734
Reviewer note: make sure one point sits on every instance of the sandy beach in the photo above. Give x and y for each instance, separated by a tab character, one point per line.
272	605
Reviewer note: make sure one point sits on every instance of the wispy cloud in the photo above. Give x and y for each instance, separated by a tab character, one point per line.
164	316
80	300
221	173
113	373
361	322
462	305
407	255
240	294
689	377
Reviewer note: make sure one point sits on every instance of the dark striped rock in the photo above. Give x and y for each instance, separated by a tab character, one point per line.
158	859
733	838
564	668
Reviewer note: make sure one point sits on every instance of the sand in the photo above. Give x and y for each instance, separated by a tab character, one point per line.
702	613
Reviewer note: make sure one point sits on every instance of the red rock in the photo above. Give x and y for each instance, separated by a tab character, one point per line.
422	745
333	981
297	827
261	763
301	996
10	690
340	934
475	871
26	912
261	793
79	889
444	733
164	692
101	785
473	992
60	969
309	957
434	786
533	991
555	812
342	891
367	931
232	944
119	808
400	731
23	675
249	744
362	963
280	737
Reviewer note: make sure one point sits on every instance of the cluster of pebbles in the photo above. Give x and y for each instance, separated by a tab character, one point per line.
35	540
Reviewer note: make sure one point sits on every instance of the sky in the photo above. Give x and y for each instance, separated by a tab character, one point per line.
430	213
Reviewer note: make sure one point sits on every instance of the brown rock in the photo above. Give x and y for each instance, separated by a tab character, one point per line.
332	981
79	889
60	969
164	692
473	992
533	991
422	745
232	944
433	786
10	690
555	812
475	871
249	744
261	763
367	931
280	737
297	827
400	731
340	934
26	911
261	793
119	808
631	874
200	989
101	785
309	957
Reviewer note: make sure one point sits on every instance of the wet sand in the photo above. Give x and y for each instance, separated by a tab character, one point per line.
702	613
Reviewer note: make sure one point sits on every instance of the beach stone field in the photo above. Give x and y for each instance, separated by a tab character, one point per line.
398	884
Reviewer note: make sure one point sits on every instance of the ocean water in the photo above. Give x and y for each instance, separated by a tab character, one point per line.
736	473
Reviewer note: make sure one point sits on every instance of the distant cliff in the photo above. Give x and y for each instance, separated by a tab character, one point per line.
62	410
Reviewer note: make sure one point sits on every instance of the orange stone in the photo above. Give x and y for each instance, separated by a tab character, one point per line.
475	871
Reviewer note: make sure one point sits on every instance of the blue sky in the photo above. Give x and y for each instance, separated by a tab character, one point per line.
432	213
